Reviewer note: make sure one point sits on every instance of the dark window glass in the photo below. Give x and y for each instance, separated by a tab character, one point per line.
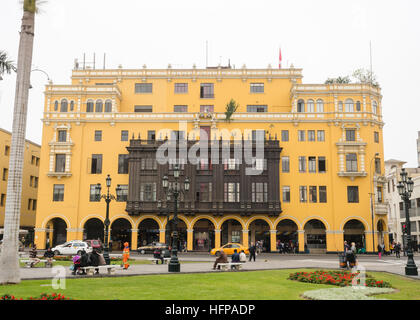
376	136
377	165
313	194
285	164
204	192
256	108
124	135
123	163
311	135
151	135
312	164
207	90
148	191
89	106
303	194
144	88
286	194
108	106
98	135
148	164
257	87
181	108
231	192
302	164
58	193
259	192
351	162
321	135
284	135
143	108
122	194
96	166
60	163
353	194
301	106
322	165
301	135
99	106
64	105
94	195
322	194
181	87
350	135
206	109
62	135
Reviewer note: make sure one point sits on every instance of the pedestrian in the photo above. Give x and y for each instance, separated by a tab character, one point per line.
252	252
222	258
397	249
157	254
32	256
235	258
76	264
49	254
242	256
379	251
126	255
94	260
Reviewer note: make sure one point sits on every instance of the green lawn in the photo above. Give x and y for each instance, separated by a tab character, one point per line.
256	285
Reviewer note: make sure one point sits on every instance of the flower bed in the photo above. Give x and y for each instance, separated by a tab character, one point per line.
43	296
337	278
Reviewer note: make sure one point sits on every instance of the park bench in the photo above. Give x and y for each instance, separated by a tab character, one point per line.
90	270
230	266
28	262
165	260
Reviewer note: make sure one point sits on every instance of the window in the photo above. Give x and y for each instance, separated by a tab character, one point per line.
181	88
352	194
5	174
151	135
256	108
301	135
122	194
204	164
31	181
312	164
148	164
257	87
286	193
204	192
207	90
231	192
2	200
63	105
58	192
322	165
89	106
124	135
311	135
143	88
259	192
340	106
143	108
123	163
206	109
34	202
62	135
231	164
180	108
376	137
60	163
311	105
303	194
374	107
350	135
95	194
56	106
313	194
284	135
321	135
99	106
322	194
358	106
6	150
29	204
377	165
351	162
349	105
258	135
301	106
108	106
285	164
148	191
379	195
320	105
178	135
302	164
96	165
36	179
37	161
98	135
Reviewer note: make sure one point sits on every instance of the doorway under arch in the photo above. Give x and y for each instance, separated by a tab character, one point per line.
93	230
231	232
259	231
120	233
148	232
56	232
315	236
203	237
287	234
354	231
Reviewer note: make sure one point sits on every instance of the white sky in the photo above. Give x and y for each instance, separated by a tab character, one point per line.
327	38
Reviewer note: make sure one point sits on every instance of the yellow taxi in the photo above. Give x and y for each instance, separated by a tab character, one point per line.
228	248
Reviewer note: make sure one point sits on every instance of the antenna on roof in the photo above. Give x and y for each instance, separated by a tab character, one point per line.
104	60
207	54
370	52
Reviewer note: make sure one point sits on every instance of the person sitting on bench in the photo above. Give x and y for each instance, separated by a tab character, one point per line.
222	258
157	254
32	256
49	255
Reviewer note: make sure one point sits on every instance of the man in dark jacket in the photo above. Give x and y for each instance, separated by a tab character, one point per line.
84	261
49	254
235	258
222	258
94	259
33	257
252	251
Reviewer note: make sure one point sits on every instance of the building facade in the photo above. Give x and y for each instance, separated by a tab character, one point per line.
322	158
29	184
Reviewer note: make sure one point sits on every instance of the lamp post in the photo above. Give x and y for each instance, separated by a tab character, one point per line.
372	211
405	188
108	197
175	191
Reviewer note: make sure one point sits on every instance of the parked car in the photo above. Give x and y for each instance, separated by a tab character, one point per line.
151	247
95	244
71	248
228	248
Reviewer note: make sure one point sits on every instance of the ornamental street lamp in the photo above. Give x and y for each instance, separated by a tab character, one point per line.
405	188
108	197
175	191
372	194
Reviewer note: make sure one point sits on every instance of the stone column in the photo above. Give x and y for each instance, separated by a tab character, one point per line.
190	239
301	239
273	240
134	237
217	238
335	240
40	238
369	241
245	240
162	235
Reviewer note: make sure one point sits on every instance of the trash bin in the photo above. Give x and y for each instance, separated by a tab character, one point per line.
342	261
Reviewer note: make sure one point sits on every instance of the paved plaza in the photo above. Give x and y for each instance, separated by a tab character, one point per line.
203	263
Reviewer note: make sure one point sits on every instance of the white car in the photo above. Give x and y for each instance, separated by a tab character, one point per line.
71	248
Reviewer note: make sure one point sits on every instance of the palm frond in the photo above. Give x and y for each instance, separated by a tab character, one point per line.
33	6
6	65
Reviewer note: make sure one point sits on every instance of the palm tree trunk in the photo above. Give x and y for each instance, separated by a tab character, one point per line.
9	260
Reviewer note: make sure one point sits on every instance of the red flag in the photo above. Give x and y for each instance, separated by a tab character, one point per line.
280	59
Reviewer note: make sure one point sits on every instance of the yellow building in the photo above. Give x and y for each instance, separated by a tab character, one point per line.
330	164
29	183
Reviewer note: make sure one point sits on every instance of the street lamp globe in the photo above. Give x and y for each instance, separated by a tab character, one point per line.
176	171
108	181
410	185
165	182
400	188
187	184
